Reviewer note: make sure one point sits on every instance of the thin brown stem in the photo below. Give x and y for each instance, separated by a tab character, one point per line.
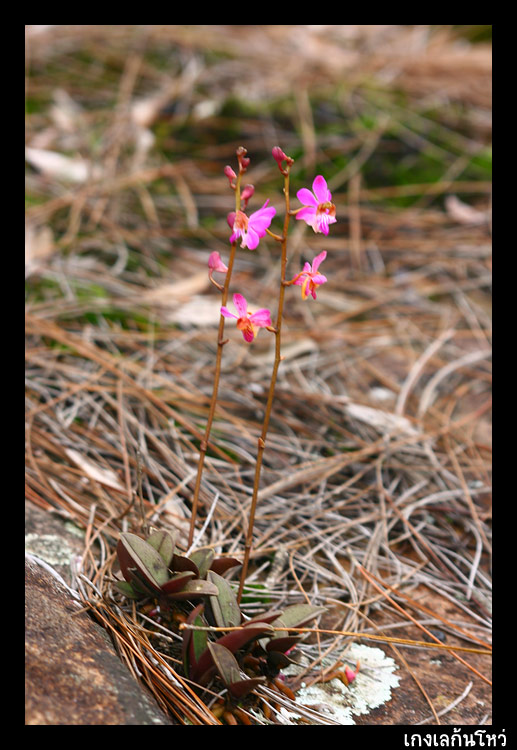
217	374
271	393
350	633
276	237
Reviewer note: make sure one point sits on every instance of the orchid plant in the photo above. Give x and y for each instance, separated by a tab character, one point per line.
252	651
318	211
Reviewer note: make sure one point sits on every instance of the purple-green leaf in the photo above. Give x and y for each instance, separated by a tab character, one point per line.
278	661
224	607
181	563
134	552
141	583
241	688
221	564
228	668
202	558
177	583
269	616
233	642
297	615
193	589
194	641
163	542
127	589
225	662
282	644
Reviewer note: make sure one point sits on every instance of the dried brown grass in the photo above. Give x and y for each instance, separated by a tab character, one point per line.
376	482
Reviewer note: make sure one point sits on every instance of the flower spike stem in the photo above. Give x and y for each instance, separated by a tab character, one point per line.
204	442
220	343
277	332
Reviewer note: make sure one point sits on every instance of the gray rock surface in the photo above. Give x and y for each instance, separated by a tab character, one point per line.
72	671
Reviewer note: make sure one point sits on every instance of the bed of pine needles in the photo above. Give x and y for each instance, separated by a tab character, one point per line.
375	497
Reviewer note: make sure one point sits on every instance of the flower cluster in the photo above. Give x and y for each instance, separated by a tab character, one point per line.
248	229
317	211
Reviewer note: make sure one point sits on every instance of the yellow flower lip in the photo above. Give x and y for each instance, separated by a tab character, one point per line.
241	221
327	207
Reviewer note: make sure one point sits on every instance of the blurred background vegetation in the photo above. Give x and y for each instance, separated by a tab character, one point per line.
143	118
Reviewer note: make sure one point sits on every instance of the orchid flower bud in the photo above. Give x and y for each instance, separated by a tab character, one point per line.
229	172
247	193
243	159
350	674
216	264
279	157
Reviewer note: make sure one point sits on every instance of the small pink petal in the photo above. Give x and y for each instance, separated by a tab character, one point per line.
260	224
261	318
216	264
262	218
307	213
262	208
252	238
321	190
240	305
226	313
306	197
318	259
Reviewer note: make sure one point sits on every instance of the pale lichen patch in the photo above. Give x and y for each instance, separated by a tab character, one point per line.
49	547
371	688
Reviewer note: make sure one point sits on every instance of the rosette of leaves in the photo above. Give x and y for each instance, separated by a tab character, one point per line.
243	658
152	567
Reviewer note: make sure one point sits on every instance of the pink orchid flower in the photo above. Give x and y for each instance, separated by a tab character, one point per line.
216	264
309	279
248	323
250	228
318	210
